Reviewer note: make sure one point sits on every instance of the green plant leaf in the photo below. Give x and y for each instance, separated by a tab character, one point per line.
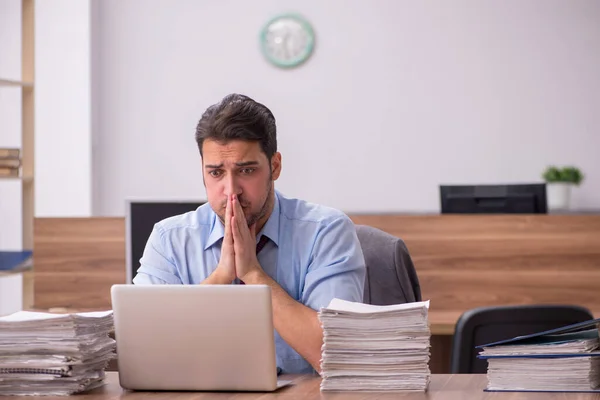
552	174
568	174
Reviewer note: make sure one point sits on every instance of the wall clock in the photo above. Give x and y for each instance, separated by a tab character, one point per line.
287	40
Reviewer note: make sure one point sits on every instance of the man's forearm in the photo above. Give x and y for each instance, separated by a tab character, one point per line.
297	324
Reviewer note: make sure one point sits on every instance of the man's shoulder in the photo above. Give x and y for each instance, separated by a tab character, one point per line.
299	210
200	218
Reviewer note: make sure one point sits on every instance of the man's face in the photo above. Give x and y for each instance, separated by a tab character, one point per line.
239	167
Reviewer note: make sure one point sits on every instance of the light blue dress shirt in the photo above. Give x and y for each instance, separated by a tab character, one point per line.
314	255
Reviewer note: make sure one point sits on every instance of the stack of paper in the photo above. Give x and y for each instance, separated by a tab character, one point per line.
564	360
54	354
375	348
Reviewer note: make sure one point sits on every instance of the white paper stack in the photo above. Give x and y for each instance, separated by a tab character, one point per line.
546	374
54	354
562	362
375	348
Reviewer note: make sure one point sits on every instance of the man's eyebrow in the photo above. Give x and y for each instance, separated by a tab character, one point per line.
238	164
213	166
246	163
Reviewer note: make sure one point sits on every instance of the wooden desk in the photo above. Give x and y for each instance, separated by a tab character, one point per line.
446	387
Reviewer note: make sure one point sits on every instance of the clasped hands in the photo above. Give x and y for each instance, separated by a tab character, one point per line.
238	251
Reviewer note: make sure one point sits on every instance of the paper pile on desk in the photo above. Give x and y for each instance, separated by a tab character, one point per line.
375	348
54	354
564	360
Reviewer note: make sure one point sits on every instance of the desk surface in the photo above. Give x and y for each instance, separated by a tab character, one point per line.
447	387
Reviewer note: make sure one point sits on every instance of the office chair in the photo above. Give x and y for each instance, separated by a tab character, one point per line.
485	325
391	276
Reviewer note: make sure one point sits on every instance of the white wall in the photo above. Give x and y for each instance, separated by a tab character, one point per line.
11	237
10	42
63	132
398	98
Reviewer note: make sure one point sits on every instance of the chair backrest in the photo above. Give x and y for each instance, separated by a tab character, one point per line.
490	324
391	277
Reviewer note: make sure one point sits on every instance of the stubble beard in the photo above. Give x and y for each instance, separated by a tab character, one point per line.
254	218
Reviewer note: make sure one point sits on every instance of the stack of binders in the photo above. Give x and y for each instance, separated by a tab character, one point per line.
375	348
559	360
54	354
10	162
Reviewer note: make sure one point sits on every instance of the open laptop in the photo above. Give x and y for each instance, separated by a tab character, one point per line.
195	337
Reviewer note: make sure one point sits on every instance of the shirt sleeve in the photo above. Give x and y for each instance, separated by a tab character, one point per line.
156	266
337	266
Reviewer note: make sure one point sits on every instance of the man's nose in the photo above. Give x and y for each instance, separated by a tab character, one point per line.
232	187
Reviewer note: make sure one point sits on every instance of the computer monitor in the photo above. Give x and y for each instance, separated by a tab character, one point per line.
494	199
140	217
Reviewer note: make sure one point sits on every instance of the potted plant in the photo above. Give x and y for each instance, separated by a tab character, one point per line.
559	182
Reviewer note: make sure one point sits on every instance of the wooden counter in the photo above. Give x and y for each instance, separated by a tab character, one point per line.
462	261
467	261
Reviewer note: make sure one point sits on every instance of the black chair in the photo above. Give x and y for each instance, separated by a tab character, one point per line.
391	277
490	324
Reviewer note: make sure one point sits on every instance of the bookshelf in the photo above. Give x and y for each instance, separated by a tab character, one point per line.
26	178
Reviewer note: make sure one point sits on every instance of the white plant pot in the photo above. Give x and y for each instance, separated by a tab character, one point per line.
558	195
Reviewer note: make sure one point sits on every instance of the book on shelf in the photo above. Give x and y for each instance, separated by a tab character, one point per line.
10	153
6	172
15	260
10	163
565	359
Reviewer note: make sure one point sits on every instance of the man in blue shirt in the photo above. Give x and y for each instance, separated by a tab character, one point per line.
308	254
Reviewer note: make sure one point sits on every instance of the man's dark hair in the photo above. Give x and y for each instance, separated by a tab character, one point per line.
238	117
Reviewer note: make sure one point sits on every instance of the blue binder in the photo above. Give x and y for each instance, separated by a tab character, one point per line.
579	330
15	260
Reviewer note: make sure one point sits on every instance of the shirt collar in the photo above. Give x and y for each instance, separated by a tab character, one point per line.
270	230
217	231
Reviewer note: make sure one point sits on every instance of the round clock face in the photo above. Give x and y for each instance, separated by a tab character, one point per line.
287	40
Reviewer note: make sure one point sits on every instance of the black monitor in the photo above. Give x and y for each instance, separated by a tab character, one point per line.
494	199
139	222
